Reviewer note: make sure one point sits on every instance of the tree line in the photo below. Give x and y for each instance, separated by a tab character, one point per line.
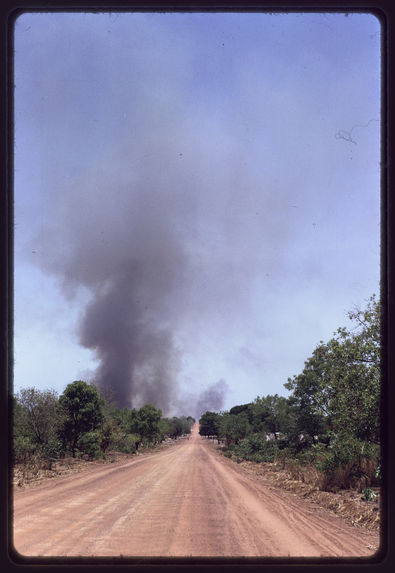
331	418
82	423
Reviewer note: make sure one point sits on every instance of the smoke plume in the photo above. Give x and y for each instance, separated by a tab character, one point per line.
126	237
212	399
157	231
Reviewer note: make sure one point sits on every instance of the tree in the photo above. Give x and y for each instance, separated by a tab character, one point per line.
357	393
82	407
23	445
269	414
123	423
338	391
38	414
234	427
352	398
148	423
309	412
209	424
242	408
186	423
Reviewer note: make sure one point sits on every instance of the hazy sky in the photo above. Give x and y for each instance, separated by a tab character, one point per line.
197	199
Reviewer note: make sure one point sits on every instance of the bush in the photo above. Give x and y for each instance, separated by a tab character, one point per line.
106	435
51	451
347	463
23	449
271	451
257	458
89	443
256	449
368	494
127	443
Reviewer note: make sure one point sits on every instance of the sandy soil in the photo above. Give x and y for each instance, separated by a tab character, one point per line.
186	500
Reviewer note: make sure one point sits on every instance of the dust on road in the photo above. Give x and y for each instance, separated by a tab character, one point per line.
187	500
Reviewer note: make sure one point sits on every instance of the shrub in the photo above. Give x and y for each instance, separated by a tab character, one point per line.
257	458
256	449
347	463
89	443
368	494
51	451
270	451
106	436
23	449
125	443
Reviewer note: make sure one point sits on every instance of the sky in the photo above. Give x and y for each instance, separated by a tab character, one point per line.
197	199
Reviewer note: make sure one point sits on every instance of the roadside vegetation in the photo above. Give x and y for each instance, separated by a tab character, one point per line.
81	424
327	432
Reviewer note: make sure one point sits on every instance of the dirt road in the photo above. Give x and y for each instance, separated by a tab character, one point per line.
186	500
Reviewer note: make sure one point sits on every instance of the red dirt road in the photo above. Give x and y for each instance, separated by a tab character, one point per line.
186	500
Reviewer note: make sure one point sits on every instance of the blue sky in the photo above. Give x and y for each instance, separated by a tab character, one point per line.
197	198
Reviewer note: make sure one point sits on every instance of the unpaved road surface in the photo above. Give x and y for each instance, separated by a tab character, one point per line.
186	500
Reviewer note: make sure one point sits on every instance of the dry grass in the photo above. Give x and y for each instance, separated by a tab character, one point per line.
306	482
36	470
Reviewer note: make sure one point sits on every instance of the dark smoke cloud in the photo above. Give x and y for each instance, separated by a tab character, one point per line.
137	359
162	227
121	244
212	399
125	234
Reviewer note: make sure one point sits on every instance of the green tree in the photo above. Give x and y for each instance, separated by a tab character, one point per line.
338	391
23	445
124	430
82	407
234	427
270	414
175	428
209	424
148	423
309	412
352	398
37	414
243	408
186	423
